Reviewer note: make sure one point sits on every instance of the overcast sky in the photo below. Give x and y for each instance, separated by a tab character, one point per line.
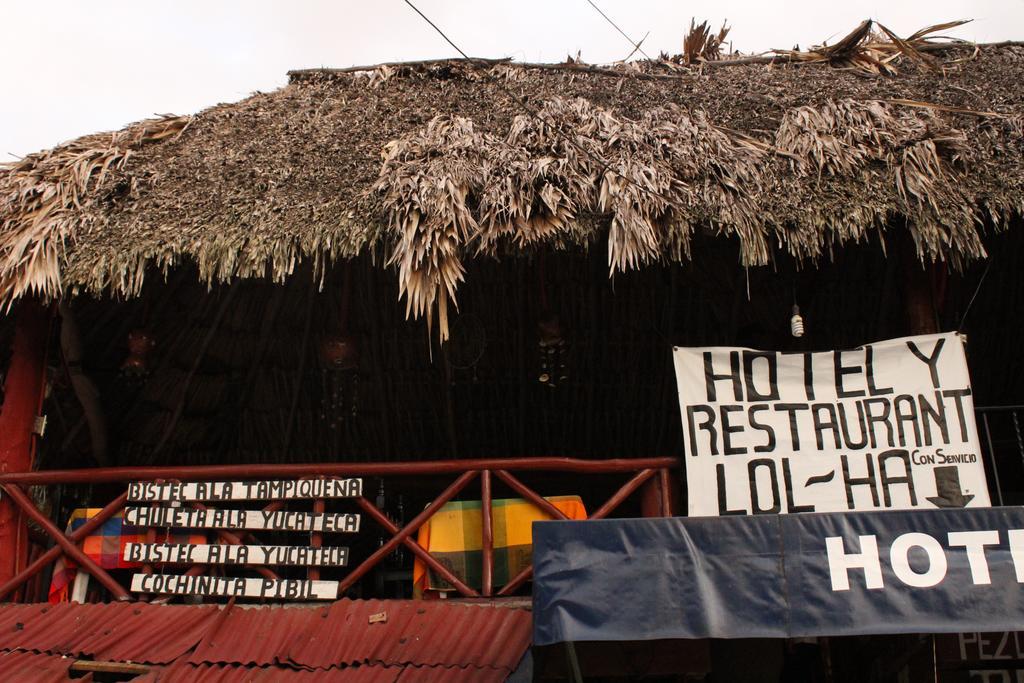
71	67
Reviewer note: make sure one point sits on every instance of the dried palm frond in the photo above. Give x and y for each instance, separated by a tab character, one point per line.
428	182
908	50
917	150
447	187
942	107
875	52
840	137
716	177
657	179
44	196
700	45
544	175
766	159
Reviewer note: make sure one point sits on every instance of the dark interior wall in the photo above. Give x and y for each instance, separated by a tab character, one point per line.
239	373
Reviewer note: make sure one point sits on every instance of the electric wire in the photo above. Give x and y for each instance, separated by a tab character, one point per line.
427	19
963	318
636	45
604	165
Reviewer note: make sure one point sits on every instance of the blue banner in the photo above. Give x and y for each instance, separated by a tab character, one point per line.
779	576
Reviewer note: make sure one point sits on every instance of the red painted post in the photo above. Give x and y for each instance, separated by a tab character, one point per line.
23	393
418	550
487	533
106	475
69	548
615	501
404	533
147	568
622	494
665	486
530	495
76	536
316	540
656	499
33	587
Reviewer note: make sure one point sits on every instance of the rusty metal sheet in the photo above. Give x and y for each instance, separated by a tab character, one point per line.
369	641
432	633
137	632
186	672
391	632
260	635
29	667
183	671
455	674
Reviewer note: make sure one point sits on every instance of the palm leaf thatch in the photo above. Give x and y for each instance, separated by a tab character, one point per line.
700	45
43	199
873	48
450	190
439	162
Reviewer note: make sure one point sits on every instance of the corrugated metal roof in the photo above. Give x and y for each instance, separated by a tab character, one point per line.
29	667
367	641
438	674
135	631
431	633
186	672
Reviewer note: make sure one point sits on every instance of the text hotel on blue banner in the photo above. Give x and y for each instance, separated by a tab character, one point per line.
886	426
779	576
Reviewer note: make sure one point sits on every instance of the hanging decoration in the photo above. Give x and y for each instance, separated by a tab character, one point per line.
339	364
339	352
553	348
552	342
140	344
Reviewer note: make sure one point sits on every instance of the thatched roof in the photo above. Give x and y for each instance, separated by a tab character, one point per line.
439	162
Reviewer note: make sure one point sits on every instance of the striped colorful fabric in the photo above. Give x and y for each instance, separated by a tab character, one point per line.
453	536
105	546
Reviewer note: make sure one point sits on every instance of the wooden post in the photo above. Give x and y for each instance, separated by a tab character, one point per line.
921	306
658	496
530	495
23	393
918	292
76	536
404	533
316	540
609	506
417	550
487	530
73	552
106	475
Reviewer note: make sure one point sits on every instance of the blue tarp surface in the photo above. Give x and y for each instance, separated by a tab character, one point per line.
772	576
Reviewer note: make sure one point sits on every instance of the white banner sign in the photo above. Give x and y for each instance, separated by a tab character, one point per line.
280	589
885	426
274	520
149	491
201	553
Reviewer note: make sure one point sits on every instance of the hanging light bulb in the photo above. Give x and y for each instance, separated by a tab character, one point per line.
796	323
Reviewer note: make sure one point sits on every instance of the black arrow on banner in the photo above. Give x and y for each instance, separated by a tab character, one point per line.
947	486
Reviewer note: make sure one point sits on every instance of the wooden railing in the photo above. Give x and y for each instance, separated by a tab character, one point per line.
652	471
1001	429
